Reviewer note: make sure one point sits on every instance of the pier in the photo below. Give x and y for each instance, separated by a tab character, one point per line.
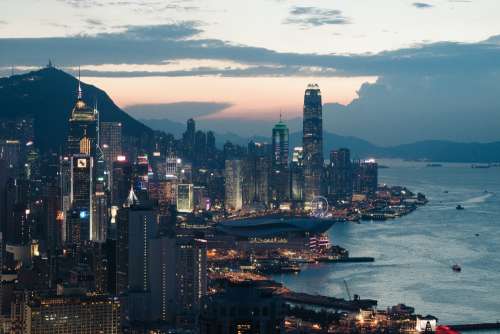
475	327
328	302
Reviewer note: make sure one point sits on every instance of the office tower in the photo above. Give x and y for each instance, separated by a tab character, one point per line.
173	165
312	142
280	145
340	175
122	181
257	172
15	221
280	171
86	314
211	148
100	215
200	149
200	198
188	139
185	202
243	308
82	189
142	228
297	175
77	226
65	188
51	208
83	123
365	177
233	175
110	137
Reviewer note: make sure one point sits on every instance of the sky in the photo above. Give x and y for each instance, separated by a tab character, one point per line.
390	71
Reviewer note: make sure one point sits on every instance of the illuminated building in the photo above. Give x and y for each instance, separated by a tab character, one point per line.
10	151
312	142
110	137
233	175
185	201
83	122
340	175
122	181
100	214
82	189
256	176
65	187
88	314
365	177
297	175
280	175
142	228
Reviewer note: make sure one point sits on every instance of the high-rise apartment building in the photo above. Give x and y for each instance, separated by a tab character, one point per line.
233	175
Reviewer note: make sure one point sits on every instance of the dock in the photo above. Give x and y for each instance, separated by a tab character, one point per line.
328	302
475	327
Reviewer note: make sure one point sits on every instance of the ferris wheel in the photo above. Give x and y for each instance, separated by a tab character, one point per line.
319	206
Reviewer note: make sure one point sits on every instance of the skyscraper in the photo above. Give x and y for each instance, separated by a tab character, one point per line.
110	136
297	175
340	175
233	185
185	198
142	228
82	189
122	181
312	142
280	171
82	123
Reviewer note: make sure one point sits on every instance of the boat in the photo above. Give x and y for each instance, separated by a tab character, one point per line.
481	166
446	191
460	207
456	268
434	165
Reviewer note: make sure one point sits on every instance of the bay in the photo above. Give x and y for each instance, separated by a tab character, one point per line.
414	254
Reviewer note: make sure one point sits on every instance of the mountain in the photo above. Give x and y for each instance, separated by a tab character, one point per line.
444	151
48	95
432	150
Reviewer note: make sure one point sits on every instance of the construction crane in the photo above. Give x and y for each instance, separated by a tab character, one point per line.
347	290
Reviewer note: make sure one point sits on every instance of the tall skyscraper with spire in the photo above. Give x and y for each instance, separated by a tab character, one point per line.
83	125
312	142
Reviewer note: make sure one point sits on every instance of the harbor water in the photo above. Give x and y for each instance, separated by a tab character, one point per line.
414	254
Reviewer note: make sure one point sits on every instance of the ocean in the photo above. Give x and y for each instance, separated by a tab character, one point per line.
414	254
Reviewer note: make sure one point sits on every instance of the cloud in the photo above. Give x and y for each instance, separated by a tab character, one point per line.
177	112
93	22
313	16
421	5
161	43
